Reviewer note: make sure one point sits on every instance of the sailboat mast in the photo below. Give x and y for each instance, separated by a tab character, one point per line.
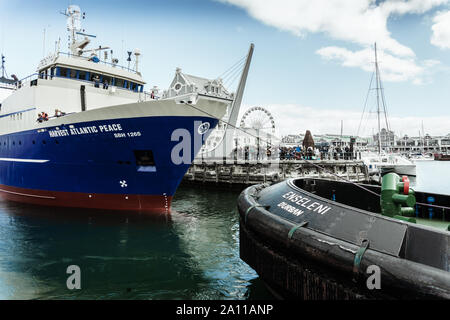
378	99
423	142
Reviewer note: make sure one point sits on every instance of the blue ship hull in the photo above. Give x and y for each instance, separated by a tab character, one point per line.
120	164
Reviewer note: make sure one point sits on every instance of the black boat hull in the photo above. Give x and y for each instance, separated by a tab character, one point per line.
310	253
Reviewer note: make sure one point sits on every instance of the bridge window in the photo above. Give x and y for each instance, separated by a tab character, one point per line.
94	75
43	74
63	72
107	79
82	75
73	73
119	82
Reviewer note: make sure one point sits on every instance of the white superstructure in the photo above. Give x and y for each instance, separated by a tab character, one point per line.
85	79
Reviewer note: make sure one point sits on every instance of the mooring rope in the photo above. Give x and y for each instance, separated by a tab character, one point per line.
312	163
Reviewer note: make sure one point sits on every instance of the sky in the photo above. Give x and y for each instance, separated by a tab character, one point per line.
312	64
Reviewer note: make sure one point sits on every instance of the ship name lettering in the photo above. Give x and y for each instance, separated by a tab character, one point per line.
83	130
303	201
110	127
58	133
296	212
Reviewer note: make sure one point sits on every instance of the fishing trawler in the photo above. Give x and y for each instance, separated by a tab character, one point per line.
83	132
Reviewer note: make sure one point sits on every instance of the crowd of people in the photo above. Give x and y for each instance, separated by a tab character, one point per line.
321	153
293	153
297	153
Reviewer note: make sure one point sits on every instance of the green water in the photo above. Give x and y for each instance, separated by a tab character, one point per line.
192	255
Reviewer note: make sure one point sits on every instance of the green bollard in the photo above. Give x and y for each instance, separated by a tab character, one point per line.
397	199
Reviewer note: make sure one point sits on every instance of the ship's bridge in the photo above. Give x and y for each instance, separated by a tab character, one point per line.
68	66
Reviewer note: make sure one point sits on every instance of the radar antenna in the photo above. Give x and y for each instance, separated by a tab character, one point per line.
3	67
129	58
74	17
73	14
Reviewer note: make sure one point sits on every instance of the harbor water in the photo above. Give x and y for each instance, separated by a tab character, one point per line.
194	254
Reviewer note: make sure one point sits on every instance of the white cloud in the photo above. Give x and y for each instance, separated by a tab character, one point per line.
295	119
394	68
360	22
441	30
431	63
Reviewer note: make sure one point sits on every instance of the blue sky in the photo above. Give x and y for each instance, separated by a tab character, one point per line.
310	68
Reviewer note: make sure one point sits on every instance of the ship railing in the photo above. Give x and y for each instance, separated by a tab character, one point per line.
147	96
100	61
25	81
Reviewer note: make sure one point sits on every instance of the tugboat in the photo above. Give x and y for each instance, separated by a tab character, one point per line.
109	144
321	239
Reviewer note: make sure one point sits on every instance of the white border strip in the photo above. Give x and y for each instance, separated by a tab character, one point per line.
24	160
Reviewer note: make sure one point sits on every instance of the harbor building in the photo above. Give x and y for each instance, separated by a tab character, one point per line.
387	138
428	143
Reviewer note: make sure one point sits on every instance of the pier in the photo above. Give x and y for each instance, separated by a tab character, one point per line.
242	174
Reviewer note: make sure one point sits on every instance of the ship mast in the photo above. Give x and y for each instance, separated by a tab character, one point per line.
378	99
3	66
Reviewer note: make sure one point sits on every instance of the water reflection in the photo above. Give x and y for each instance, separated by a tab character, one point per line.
193	254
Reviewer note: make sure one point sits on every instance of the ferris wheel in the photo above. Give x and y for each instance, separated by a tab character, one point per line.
259	119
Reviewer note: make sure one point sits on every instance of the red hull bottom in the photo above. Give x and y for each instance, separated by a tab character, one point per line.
117	202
